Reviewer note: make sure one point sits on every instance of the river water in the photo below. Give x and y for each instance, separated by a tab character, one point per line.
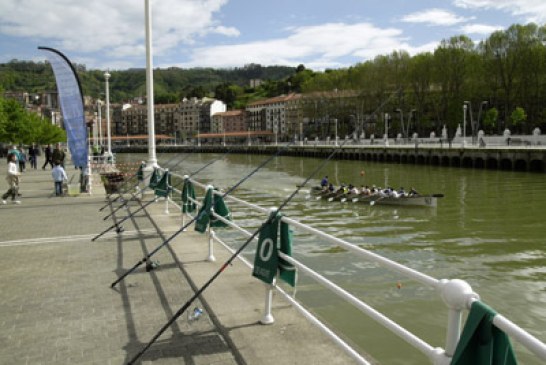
487	230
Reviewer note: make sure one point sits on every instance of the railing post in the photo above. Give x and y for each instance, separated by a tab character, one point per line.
211	257
456	294
268	317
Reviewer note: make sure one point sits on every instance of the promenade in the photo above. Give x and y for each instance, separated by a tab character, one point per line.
57	307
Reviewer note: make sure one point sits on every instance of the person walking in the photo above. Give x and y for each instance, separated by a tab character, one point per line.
59	176
22	160
58	154
33	156
48	160
12	179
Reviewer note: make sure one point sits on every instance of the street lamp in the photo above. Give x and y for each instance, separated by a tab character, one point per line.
387	116
95	131
108	136
465	106
99	109
335	123
301	133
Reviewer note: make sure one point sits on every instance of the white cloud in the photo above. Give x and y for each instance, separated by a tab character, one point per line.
530	10
324	46
482	29
114	27
435	17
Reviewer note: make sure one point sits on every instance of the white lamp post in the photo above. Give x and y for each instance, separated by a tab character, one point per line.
387	129
464	124
95	131
335	122
99	109
108	136
152	160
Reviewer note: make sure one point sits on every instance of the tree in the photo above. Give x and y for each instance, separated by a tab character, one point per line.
490	118
518	116
20	126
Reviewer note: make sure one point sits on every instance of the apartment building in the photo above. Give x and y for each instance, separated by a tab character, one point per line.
230	121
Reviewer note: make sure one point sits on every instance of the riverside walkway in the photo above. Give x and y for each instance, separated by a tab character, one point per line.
57	307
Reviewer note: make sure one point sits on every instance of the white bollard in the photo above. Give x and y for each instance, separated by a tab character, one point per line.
268	317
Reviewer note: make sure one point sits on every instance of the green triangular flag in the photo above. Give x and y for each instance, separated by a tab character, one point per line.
481	342
287	271
154	179
221	209
163	187
203	217
140	172
188	192
266	259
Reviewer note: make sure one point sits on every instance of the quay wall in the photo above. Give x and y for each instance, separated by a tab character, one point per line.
516	158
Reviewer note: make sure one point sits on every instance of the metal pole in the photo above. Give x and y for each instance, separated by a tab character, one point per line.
95	130
301	133
335	121
108	135
386	129
99	109
152	160
464	125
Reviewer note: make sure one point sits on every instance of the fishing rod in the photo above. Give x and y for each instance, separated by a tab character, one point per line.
120	229
125	183
133	195
238	251
164	243
233	256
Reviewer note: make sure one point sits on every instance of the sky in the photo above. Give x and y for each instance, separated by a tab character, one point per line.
320	34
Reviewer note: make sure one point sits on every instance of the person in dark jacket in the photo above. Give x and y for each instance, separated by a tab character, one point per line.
33	156
48	159
58	154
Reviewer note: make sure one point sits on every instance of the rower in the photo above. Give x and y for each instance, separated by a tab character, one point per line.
402	192
331	188
353	189
413	192
324	182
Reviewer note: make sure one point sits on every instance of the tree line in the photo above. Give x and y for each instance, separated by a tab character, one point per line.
503	79
20	126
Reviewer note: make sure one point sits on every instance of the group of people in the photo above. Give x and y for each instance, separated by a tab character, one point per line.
365	190
17	165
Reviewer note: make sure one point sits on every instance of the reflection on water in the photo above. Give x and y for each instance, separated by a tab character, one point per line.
488	230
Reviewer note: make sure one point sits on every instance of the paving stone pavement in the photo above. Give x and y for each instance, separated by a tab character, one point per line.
57	307
56	304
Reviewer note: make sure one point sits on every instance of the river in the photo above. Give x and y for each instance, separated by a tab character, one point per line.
487	230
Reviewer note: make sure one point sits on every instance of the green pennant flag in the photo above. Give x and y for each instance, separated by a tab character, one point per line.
188	192
481	342
203	217
221	209
154	179
266	259
287	271
140	172
163	186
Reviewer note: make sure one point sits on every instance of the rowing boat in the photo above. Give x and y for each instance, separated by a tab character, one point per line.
414	200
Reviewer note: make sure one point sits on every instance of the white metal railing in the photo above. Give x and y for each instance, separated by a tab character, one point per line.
456	294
